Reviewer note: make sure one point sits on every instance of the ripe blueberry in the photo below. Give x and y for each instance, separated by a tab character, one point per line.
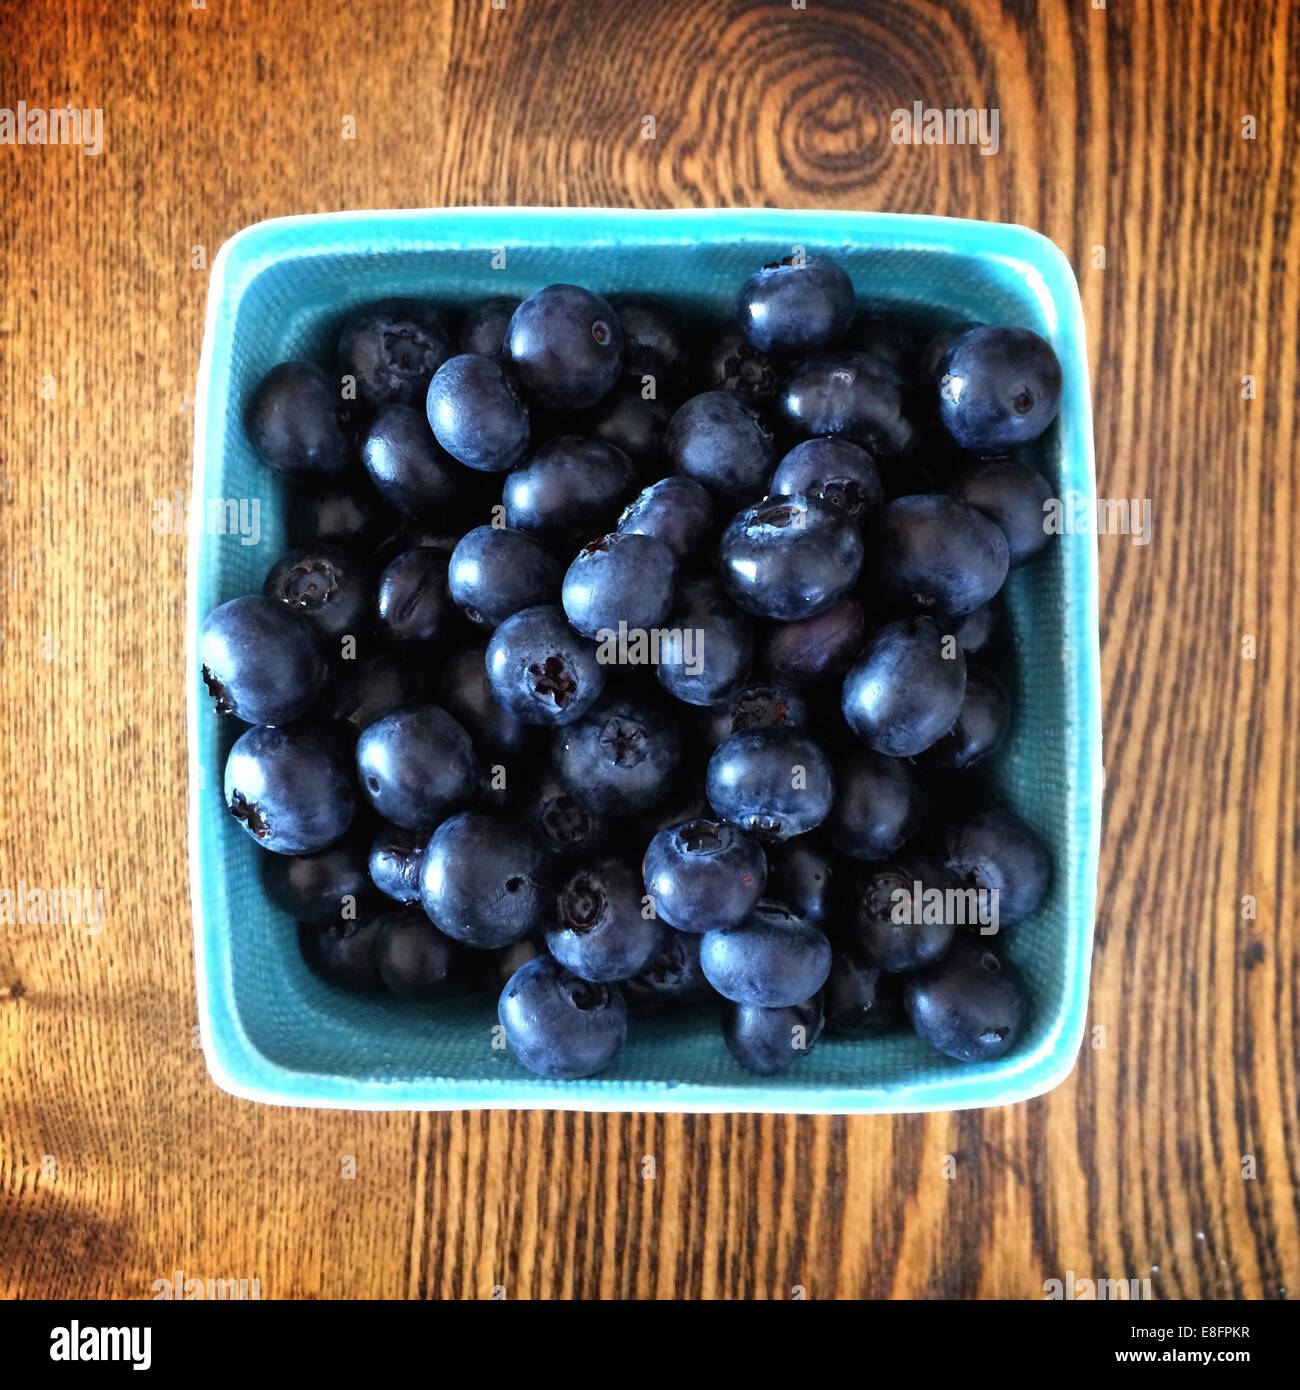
290	789
566	345
558	1025
905	691
477	413
392	350
620	579
416	766
789	557
481	880
720	442
796	305
775	783
704	874
293	421
998	388
540	670
969	1006
774	958
262	662
496	571
601	931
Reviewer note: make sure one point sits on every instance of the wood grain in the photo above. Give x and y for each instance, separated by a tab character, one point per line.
1119	128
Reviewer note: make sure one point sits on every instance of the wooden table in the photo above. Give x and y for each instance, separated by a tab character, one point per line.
1120	136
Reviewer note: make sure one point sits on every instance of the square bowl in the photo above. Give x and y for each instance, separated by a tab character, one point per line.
272	1030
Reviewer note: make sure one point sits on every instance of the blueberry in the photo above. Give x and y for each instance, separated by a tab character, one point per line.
540	670
261	661
412	537
318	887
981	630
720	442
736	365
415	960
789	557
835	471
801	874
290	789
620	757
619	581
496	571
774	958
483	328
938	554
654	340
888	340
764	706
633	425
703	875
812	649
998	853
937	345
998	388
477	413
369	689
672	979
293	421
710	647
905	691
416	766
897	925
761	706
571	488
407	465
980	728
969	1006
481	881
677	511
392	350
601	931
768	1041
495	967
413	604
558	1025
394	863
567	347
345	952
561	822
853	395
796	305
861	1000
466	694
348	512
877	807
330	588
1011	494
775	783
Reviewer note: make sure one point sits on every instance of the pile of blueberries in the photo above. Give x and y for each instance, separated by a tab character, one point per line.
625	660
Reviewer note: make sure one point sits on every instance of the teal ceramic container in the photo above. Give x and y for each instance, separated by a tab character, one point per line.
271	1030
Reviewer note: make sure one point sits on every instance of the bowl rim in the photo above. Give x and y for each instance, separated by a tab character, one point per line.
234	1061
